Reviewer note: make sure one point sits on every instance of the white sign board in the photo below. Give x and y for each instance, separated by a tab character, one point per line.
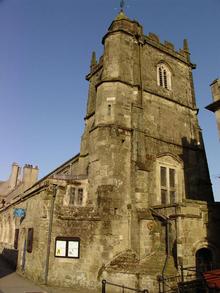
73	249
60	248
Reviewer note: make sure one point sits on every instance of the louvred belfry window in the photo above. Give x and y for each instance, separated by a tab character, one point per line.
164	76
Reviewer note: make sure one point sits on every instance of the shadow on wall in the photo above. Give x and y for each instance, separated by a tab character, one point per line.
196	174
8	262
198	187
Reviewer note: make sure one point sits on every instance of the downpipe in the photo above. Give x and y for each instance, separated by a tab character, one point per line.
166	220
167	252
54	193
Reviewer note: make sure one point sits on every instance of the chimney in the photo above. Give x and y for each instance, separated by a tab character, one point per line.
13	179
30	175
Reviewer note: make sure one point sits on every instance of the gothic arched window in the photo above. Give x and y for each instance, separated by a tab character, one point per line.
163	76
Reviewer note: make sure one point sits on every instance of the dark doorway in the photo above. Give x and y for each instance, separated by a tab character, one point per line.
204	261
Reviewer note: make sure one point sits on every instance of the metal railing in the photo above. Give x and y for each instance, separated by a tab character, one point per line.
168	284
189	280
123	288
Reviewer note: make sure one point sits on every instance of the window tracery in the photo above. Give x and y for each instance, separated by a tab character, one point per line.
163	76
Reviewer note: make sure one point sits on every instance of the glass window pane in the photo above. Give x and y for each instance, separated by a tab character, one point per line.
163	179
172	197
80	196
163	196
172	177
72	192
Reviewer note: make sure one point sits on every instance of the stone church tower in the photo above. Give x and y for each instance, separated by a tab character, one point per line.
143	152
141	122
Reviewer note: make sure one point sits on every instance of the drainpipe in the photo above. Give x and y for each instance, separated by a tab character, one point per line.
165	220
49	233
167	251
140	55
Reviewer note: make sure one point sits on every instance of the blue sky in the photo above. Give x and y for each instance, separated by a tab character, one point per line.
45	51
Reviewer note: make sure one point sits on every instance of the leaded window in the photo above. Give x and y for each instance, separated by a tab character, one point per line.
72	195
75	196
167	185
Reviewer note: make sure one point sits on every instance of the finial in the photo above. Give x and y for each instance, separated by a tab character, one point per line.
122	5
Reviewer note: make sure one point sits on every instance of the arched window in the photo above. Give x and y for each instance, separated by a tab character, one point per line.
163	76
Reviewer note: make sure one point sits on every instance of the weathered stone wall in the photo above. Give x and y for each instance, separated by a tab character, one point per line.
180	81
36	210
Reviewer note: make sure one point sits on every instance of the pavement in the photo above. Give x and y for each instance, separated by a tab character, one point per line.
11	282
14	283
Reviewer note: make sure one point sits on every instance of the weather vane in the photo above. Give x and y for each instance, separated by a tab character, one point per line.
122	4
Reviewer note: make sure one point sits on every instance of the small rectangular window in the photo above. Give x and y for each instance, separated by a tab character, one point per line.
109	109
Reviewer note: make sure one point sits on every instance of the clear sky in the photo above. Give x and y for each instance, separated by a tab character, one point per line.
45	51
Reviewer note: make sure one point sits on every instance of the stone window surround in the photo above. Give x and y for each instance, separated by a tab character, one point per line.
164	76
79	199
168	184
171	162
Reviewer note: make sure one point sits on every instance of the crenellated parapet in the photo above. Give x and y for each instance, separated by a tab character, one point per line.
167	47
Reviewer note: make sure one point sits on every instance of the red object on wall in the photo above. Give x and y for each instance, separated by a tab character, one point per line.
212	279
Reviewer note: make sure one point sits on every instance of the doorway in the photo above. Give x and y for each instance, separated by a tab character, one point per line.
204	260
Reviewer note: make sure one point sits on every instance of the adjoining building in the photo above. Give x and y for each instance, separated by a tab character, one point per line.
135	205
17	182
215	106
